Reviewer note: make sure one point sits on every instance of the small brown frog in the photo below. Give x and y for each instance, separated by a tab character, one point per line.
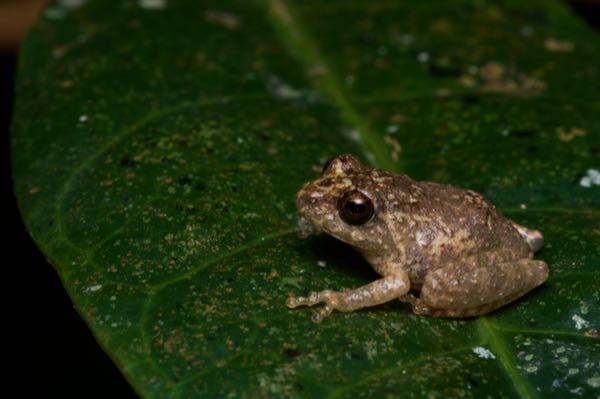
447	251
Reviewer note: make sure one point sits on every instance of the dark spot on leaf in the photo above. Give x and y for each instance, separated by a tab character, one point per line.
149	143
366	39
356	356
594	150
472	381
532	148
128	162
298	386
523	132
184	181
470	99
210	338
230	280
443	68
200	186
528	15
292	352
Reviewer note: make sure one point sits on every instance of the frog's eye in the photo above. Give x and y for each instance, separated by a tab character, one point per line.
355	207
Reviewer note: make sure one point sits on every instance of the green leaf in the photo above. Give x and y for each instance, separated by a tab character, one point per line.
158	145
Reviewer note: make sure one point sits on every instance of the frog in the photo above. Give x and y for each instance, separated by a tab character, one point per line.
446	251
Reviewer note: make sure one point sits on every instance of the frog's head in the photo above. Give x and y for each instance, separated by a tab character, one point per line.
345	202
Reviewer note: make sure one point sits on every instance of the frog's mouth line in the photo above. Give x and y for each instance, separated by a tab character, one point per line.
306	227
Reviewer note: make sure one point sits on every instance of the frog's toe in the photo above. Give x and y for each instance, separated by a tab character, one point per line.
312	299
322	313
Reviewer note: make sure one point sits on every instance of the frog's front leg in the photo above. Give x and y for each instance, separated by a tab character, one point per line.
375	293
466	291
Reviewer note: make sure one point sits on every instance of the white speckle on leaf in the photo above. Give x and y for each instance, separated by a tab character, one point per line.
54	13
579	322
594	382
391	129
93	288
556	383
222	18
281	90
153	4
353	134
483	353
71	3
577	391
531	369
83	118
371	349
321	263
592	178
423	56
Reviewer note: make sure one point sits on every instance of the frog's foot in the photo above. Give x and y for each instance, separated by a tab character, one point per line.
458	291
534	238
375	293
328	297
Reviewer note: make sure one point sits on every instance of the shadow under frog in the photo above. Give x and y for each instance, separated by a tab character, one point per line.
447	251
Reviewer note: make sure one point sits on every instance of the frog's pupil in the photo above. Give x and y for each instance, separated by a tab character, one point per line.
356	206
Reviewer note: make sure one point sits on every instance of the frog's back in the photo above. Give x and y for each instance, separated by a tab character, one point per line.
441	224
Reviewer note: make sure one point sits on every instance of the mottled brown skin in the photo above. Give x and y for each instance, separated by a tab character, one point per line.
447	251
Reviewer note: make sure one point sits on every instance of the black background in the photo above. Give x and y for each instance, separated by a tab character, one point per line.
53	352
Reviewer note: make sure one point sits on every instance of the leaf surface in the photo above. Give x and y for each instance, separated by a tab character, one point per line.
158	146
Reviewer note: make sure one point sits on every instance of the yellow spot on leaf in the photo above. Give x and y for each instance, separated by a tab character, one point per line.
569	135
558	46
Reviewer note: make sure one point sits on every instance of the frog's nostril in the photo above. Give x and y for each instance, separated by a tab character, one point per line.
303	199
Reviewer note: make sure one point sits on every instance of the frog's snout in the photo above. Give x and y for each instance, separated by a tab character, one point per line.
309	202
306	227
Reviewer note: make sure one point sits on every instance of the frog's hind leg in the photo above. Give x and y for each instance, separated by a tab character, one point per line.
463	291
534	238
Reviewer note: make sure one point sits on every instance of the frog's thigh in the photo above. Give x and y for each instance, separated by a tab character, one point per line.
459	291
